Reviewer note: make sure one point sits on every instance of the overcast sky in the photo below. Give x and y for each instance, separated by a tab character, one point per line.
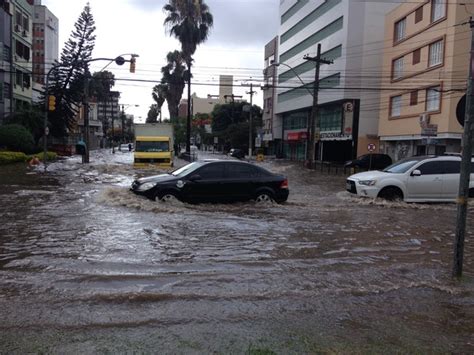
235	46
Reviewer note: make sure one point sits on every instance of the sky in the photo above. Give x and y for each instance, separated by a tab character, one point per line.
235	45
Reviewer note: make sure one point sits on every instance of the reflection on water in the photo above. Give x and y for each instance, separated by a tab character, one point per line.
86	265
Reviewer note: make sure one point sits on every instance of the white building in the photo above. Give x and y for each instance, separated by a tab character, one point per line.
351	34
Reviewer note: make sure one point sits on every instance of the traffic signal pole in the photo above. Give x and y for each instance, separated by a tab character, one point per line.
463	195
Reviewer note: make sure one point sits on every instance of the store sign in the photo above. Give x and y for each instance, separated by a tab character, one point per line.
332	135
267	137
348	117
430	130
297	136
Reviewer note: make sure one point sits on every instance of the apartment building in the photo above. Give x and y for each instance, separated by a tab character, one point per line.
426	65
351	34
22	38
108	113
45	45
272	125
5	61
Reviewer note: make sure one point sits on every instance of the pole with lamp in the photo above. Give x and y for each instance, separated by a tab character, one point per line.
308	132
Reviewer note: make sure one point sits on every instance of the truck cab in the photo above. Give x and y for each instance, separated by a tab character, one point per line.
153	150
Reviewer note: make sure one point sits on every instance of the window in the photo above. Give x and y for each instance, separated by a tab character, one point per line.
414	98
212	172
6	53
452	167
1	92
438	9
18	78
398	68
431	168
26	25
433	97
395	106
241	171
436	53
416	56
419	14
400	29
6	91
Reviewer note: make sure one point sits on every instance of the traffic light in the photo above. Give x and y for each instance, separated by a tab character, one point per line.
132	65
51	102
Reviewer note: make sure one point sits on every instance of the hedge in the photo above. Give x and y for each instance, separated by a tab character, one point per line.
18	157
15	137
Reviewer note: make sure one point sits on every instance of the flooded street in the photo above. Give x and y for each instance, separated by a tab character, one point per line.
88	267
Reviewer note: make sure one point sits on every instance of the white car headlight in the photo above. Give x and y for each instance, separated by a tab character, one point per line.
146	186
367	182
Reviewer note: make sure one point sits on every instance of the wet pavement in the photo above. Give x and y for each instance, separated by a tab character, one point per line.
88	267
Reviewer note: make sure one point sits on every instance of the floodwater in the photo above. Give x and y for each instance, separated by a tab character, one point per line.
88	267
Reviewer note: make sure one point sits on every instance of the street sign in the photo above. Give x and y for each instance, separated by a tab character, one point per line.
371	147
430	130
216	140
46	131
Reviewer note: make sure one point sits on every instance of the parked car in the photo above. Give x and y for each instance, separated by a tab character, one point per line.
237	153
370	162
415	179
215	181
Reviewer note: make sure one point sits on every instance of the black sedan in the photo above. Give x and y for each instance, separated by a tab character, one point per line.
215	181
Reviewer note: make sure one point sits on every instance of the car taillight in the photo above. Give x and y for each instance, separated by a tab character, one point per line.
284	184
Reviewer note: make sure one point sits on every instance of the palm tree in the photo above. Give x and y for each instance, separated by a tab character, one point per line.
190	22
159	95
172	83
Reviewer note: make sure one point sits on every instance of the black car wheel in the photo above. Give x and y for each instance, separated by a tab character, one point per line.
167	196
264	197
391	193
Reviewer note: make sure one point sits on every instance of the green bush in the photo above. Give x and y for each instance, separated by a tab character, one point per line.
49	156
12	157
18	157
16	138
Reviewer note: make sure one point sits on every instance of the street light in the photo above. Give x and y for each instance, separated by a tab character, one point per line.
308	130
123	117
276	64
119	60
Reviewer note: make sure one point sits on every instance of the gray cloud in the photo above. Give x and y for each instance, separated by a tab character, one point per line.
236	23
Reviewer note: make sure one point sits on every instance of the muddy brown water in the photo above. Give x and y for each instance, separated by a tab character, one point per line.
88	267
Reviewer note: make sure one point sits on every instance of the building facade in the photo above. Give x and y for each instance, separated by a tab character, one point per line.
45	46
5	61
272	124
22	38
426	65
108	113
350	33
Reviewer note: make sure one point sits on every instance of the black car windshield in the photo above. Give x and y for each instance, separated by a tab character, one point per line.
401	166
189	168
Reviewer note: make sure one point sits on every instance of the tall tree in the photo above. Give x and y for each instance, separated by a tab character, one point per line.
190	22
68	79
99	86
153	112
159	95
172	83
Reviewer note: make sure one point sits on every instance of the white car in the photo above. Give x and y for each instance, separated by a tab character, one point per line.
415	179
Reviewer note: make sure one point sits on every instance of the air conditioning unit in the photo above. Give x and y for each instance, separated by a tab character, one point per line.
18	28
424	119
24	33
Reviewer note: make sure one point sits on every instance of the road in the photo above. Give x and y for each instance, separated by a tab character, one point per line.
88	267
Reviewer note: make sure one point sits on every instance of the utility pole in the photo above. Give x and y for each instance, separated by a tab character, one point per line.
463	194
85	157
251	92
313	121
